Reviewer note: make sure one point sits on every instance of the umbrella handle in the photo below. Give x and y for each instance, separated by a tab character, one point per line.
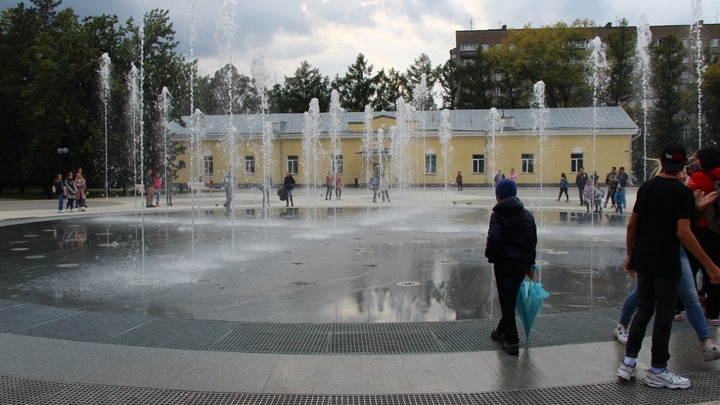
536	268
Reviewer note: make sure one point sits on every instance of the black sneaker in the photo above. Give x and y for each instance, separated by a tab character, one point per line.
495	336
512	350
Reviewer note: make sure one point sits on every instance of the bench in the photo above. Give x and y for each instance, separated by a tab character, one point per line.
197	185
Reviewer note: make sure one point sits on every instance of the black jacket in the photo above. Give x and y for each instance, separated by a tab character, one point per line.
512	236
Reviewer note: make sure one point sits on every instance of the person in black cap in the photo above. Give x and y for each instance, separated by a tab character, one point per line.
659	224
511	243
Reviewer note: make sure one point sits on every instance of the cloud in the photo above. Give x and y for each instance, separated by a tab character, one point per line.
329	34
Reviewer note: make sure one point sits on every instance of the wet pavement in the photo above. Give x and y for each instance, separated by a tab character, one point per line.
85	308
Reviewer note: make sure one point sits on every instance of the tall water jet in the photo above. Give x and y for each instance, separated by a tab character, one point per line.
261	82
401	137
164	103
134	117
540	116
420	94
197	129
104	72
699	61
334	133
598	79
495	125
445	135
224	37
367	144
642	51
311	152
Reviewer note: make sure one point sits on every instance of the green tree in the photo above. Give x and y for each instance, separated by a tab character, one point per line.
475	82
711	103
300	89
667	69
449	80
422	66
390	87
551	54
357	87
621	58
212	95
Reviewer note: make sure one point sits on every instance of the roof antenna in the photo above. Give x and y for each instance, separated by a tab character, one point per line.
471	24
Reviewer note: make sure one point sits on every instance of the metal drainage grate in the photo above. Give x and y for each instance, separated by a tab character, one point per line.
407	283
16	390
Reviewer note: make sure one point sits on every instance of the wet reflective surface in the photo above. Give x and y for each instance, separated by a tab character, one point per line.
304	265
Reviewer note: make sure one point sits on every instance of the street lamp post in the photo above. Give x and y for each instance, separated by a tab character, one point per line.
64	151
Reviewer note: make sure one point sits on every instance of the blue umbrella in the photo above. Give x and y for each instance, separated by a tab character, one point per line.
529	302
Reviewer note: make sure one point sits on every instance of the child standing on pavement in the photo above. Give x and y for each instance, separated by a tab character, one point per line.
511	243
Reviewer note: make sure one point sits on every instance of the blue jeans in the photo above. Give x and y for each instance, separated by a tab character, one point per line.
687	292
656	297
60	202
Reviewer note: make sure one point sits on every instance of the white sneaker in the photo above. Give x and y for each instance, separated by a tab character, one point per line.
713	322
621	333
711	350
666	379
626	372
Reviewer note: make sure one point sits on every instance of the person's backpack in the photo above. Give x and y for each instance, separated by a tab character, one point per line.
712	212
374	183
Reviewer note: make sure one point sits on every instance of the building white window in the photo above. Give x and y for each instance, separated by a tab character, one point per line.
208	165
292	164
485	47
527	163
685	60
249	164
499	77
478	164
430	164
685	43
714	42
337	164
576	162
469	47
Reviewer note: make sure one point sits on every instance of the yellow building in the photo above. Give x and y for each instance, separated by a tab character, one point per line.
412	151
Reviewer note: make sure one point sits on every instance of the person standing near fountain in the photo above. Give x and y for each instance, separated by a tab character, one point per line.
149	188
622	180
265	189
611	183
59	189
513	176
580	181
157	187
289	186
70	191
329	183
511	247
659	225
228	184
563	187
498	177
338	185
169	189
384	186
81	193
458	180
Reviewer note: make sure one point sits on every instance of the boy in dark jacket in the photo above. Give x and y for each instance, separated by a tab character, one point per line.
512	238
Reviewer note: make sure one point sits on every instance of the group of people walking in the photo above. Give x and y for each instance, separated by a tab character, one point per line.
71	189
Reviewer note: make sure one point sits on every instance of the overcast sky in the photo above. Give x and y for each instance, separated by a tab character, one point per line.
329	34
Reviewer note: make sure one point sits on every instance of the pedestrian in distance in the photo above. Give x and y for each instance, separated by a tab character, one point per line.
459	181
563	187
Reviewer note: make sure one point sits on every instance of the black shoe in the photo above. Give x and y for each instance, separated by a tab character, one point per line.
512	350
495	336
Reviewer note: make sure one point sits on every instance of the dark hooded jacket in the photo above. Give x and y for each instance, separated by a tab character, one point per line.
512	235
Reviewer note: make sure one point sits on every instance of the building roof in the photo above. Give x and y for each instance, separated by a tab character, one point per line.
586	118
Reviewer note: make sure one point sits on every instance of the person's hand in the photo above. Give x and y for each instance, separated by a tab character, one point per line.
703	200
630	272
715	275
531	273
